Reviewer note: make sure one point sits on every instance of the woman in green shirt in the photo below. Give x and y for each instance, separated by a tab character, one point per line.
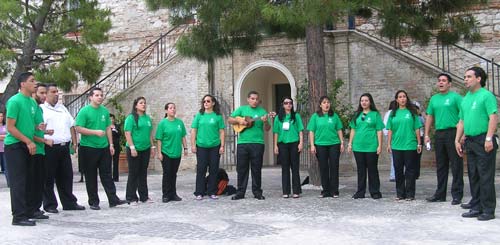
365	141
326	141
171	140
288	143
139	135
403	140
207	141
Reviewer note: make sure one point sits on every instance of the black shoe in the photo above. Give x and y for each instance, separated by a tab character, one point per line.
260	197
74	207
237	197
119	202
377	196
435	199
456	201
165	200
95	207
23	222
471	214
484	217
466	205
358	196
38	215
51	210
176	198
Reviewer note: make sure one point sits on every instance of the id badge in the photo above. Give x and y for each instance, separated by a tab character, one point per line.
286	126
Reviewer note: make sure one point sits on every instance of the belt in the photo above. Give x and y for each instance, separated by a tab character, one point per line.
479	137
446	129
61	144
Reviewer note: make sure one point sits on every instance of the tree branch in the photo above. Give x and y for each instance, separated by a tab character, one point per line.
26	7
18	23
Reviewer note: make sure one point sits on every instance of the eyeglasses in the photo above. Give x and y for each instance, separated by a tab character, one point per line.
363	117
207	101
287	103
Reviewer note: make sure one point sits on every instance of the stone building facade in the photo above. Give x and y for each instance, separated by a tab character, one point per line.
277	66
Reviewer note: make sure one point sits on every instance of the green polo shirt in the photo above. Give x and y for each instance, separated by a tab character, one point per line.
290	133
445	109
255	134
366	128
170	133
140	131
403	126
207	127
325	129
475	111
22	109
40	146
95	119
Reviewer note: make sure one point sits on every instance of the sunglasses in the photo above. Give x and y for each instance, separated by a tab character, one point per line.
363	117
207	101
287	103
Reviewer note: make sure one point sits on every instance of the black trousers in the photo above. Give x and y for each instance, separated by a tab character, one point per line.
207	158
98	159
289	159
59	170
249	157
367	162
481	173
36	184
328	160
446	157
138	175
170	167
116	161
405	164
19	164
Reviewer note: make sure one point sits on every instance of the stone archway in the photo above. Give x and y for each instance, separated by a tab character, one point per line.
269	78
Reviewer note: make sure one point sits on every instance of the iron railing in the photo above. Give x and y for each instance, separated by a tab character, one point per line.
156	53
452	59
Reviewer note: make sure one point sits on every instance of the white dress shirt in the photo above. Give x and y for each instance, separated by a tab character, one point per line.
58	118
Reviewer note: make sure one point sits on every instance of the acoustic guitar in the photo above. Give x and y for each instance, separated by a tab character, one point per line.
238	128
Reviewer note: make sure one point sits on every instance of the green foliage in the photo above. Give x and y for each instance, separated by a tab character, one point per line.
53	38
340	104
344	109
449	18
119	118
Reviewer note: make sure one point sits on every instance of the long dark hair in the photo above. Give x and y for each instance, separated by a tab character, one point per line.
166	108
360	109
282	112
134	110
320	111
216	104
409	105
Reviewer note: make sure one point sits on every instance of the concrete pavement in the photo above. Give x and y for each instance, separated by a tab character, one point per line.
249	221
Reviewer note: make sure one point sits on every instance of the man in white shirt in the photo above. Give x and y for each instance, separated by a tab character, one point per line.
57	157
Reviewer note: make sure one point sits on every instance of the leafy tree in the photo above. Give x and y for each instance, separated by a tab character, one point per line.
53	38
225	25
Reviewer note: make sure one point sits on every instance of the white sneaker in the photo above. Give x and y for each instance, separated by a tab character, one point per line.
199	197
214	197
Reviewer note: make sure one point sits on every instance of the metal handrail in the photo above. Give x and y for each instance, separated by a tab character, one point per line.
127	71
452	58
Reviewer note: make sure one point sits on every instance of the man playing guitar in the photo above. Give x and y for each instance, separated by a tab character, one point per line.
250	120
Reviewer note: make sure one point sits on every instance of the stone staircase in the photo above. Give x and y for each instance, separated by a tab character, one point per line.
137	67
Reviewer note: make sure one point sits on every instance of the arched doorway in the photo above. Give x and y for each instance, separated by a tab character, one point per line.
272	81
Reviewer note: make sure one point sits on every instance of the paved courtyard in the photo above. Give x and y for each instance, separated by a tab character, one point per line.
249	221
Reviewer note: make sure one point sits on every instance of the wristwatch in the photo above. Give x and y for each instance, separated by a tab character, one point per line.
488	139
